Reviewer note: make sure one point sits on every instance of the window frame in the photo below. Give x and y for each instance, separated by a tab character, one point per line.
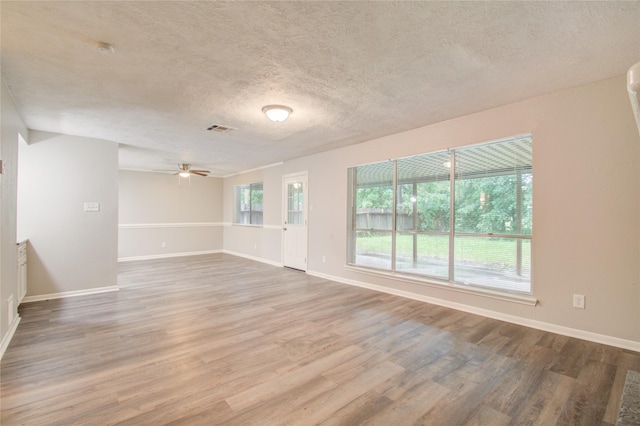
237	204
451	279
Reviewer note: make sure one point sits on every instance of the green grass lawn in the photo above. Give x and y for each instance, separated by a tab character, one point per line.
477	250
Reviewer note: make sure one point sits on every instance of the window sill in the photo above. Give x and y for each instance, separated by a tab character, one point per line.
248	225
523	299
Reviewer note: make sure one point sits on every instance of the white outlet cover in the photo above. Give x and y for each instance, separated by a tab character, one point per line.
578	301
91	207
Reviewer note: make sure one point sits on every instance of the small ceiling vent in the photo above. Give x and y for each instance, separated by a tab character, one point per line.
220	128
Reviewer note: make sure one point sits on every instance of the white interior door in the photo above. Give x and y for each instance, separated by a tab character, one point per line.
294	229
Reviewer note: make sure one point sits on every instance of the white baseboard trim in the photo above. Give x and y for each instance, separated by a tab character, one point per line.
257	259
540	325
166	255
195	253
7	337
61	295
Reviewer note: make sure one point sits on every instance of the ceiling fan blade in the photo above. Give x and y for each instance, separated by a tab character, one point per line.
201	171
197	173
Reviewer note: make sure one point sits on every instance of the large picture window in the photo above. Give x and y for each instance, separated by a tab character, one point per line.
462	216
248	201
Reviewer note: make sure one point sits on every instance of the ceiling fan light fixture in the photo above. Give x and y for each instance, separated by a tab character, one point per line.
277	112
184	174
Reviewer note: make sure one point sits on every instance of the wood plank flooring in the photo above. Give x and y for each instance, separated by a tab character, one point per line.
218	339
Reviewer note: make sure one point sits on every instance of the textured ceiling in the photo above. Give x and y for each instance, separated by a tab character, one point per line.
351	71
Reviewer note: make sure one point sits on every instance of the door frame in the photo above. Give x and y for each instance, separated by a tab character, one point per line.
305	175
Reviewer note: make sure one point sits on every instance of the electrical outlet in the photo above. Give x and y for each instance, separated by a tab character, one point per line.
578	301
163	244
91	207
324	259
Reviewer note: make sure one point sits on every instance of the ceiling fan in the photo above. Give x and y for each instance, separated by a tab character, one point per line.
185	170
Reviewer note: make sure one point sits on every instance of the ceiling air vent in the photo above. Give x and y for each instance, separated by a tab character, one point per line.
220	128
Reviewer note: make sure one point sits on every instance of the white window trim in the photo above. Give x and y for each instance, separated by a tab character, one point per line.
233	221
526	298
523	299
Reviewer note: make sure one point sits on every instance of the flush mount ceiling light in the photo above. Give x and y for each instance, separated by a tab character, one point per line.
277	112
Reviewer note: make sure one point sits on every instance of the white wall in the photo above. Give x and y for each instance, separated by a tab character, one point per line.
154	210
586	202
70	250
11	126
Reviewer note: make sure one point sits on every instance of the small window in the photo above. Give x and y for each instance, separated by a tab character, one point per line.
248	201
295	200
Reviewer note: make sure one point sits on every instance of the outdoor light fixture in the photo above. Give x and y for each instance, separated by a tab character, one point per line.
277	112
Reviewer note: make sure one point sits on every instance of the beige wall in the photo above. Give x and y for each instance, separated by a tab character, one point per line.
11	126
260	242
586	202
154	210
70	250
